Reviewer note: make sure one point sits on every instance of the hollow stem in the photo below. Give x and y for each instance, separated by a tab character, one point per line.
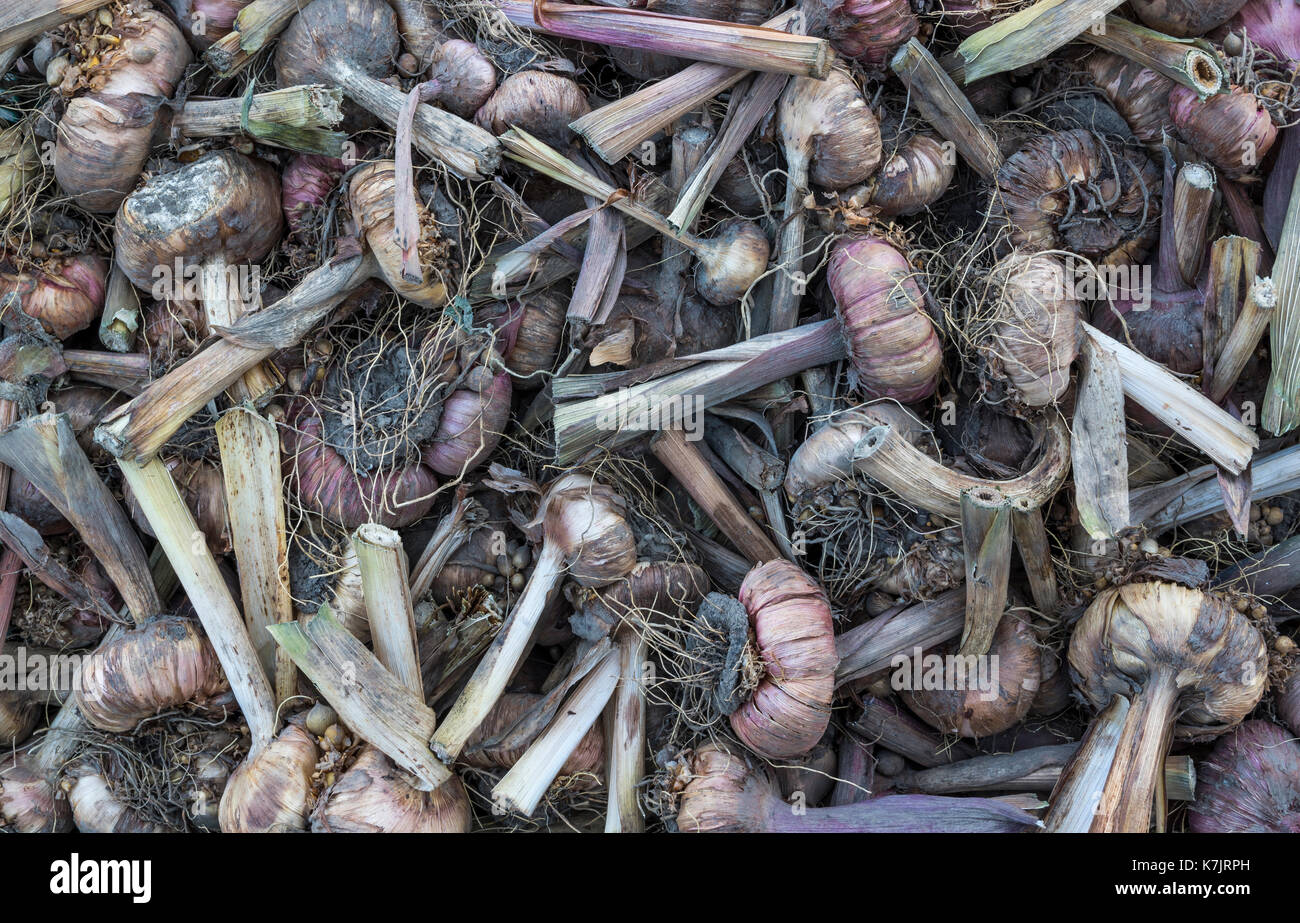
121	316
188	552
389	607
1193	198
450	534
502	658
523	786
1192	63
296	118
1129	794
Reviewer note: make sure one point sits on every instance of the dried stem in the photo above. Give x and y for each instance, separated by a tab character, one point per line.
186	549
368	698
1281	412
884	723
21	20
1175	404
1233	264
256	24
1077	797
296	118
986	542
522	787
224	305
1192	62
1036	554
616	130
250	463
388	602
1193	198
872	646
758	48
1256	313
1099	447
1025	37
946	108
625	738
121	317
683	459
45	451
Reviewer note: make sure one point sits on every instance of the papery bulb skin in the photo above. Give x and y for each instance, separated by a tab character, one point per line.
1288	703
586	521
1133	634
324	482
222	205
651	586
362	32
218	19
541	103
164	663
966	17
371	194
66	294
724	795
203	489
587	759
891	340
791	618
375	796
914	178
1271	24
104	137
981	705
1034	337
466	77
533	326
29	803
95	809
473	421
305	186
829	122
731	261
19	715
869	31
1139	94
1231	130
1036	194
1185	18
272	790
173	330
1250	783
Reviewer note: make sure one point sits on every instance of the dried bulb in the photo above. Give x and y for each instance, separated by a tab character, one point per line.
1273	25
891	340
791	618
1132	634
1034	336
979	705
1139	94
1249	784
473	421
829	131
465	76
164	663
173	330
1070	190
272	790
210	19
915	177
324	482
1231	130
222	205
104	137
532	326
305	186
1185	18
731	261
869	31
362	32
651	590
29	803
20	712
541	103
95	809
66	294
586	521
371	194
375	796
